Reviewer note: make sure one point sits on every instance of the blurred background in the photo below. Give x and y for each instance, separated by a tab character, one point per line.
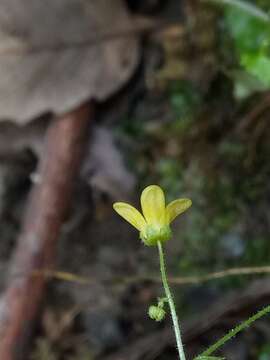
181	96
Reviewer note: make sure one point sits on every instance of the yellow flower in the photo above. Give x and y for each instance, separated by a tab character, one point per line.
154	222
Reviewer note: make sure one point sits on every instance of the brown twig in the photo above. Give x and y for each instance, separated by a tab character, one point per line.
175	280
36	246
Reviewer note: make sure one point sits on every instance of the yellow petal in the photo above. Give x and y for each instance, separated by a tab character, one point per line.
176	208
153	205
130	214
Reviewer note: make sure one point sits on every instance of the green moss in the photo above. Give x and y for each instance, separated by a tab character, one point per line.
184	99
170	172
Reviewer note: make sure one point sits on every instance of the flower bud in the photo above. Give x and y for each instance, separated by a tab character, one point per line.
156	313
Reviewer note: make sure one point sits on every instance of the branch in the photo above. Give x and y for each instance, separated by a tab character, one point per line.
36	246
174	280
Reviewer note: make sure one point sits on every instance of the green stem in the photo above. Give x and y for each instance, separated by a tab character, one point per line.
244	6
171	303
235	331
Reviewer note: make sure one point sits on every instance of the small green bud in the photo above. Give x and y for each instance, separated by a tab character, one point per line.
156	313
152	234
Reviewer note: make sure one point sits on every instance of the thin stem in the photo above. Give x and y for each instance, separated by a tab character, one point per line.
244	6
236	330
171	303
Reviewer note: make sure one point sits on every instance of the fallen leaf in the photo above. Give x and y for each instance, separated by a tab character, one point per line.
55	55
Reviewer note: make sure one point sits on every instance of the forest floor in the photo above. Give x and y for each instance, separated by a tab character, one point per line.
177	124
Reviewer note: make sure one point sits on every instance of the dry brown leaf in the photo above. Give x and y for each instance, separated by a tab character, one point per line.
55	54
